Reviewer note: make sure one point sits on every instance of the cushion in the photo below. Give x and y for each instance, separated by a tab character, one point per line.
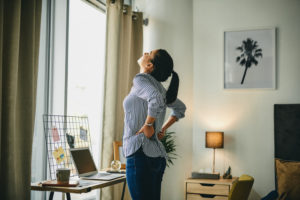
288	179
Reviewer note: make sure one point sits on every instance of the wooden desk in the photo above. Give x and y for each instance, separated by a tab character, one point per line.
214	189
83	187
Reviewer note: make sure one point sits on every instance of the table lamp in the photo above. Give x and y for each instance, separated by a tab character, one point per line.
214	140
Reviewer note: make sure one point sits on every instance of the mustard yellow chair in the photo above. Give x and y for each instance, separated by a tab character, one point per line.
241	188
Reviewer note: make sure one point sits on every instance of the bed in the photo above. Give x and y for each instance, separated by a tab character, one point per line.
287	151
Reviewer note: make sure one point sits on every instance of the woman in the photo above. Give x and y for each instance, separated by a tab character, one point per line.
145	110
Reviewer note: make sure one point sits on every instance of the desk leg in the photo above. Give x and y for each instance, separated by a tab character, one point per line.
123	191
51	195
68	196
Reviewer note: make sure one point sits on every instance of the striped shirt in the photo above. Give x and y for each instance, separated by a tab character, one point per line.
147	97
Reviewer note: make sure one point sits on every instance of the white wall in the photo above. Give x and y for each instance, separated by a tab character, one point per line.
246	116
193	33
170	27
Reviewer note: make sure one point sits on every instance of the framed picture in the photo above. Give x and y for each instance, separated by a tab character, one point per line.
249	59
118	153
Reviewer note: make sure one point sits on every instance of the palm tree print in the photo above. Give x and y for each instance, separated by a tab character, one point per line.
249	52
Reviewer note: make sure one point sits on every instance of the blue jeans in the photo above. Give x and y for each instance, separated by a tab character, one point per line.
144	176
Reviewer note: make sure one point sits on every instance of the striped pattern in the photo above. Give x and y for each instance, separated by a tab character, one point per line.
147	97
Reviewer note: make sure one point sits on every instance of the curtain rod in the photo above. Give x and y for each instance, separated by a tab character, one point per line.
102	5
134	17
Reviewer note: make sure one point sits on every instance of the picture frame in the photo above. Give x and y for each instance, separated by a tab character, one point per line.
118	153
250	59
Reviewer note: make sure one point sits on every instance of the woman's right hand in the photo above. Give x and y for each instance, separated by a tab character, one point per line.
147	130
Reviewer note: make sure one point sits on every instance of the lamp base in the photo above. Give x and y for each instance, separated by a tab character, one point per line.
198	175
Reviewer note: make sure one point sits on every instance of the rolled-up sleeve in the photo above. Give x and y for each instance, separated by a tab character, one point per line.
145	90
178	108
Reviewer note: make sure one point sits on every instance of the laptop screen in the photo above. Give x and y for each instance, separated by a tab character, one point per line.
83	160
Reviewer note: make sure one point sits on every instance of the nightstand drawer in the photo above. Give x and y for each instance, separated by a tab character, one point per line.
214	189
203	197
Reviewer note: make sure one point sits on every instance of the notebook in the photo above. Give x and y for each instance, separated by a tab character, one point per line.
86	168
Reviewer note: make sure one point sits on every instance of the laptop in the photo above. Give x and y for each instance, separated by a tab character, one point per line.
86	168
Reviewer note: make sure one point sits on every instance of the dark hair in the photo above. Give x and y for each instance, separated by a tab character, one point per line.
162	69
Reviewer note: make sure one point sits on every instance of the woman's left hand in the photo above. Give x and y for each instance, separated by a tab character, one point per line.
161	134
147	130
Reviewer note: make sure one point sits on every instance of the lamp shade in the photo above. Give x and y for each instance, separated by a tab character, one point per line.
214	139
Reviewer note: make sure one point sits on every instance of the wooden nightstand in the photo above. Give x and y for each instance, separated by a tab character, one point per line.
214	189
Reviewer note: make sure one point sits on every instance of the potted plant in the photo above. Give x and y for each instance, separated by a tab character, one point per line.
169	143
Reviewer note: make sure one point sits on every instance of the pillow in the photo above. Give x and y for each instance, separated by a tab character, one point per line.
288	179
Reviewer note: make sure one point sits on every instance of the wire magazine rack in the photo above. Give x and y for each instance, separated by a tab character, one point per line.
62	133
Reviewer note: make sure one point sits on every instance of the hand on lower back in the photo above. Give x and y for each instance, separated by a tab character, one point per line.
147	130
161	134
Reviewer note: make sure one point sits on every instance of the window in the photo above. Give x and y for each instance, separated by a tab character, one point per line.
75	75
86	66
86	71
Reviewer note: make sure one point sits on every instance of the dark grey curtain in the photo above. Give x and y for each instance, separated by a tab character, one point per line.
19	48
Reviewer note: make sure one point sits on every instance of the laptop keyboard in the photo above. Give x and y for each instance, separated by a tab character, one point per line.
99	175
